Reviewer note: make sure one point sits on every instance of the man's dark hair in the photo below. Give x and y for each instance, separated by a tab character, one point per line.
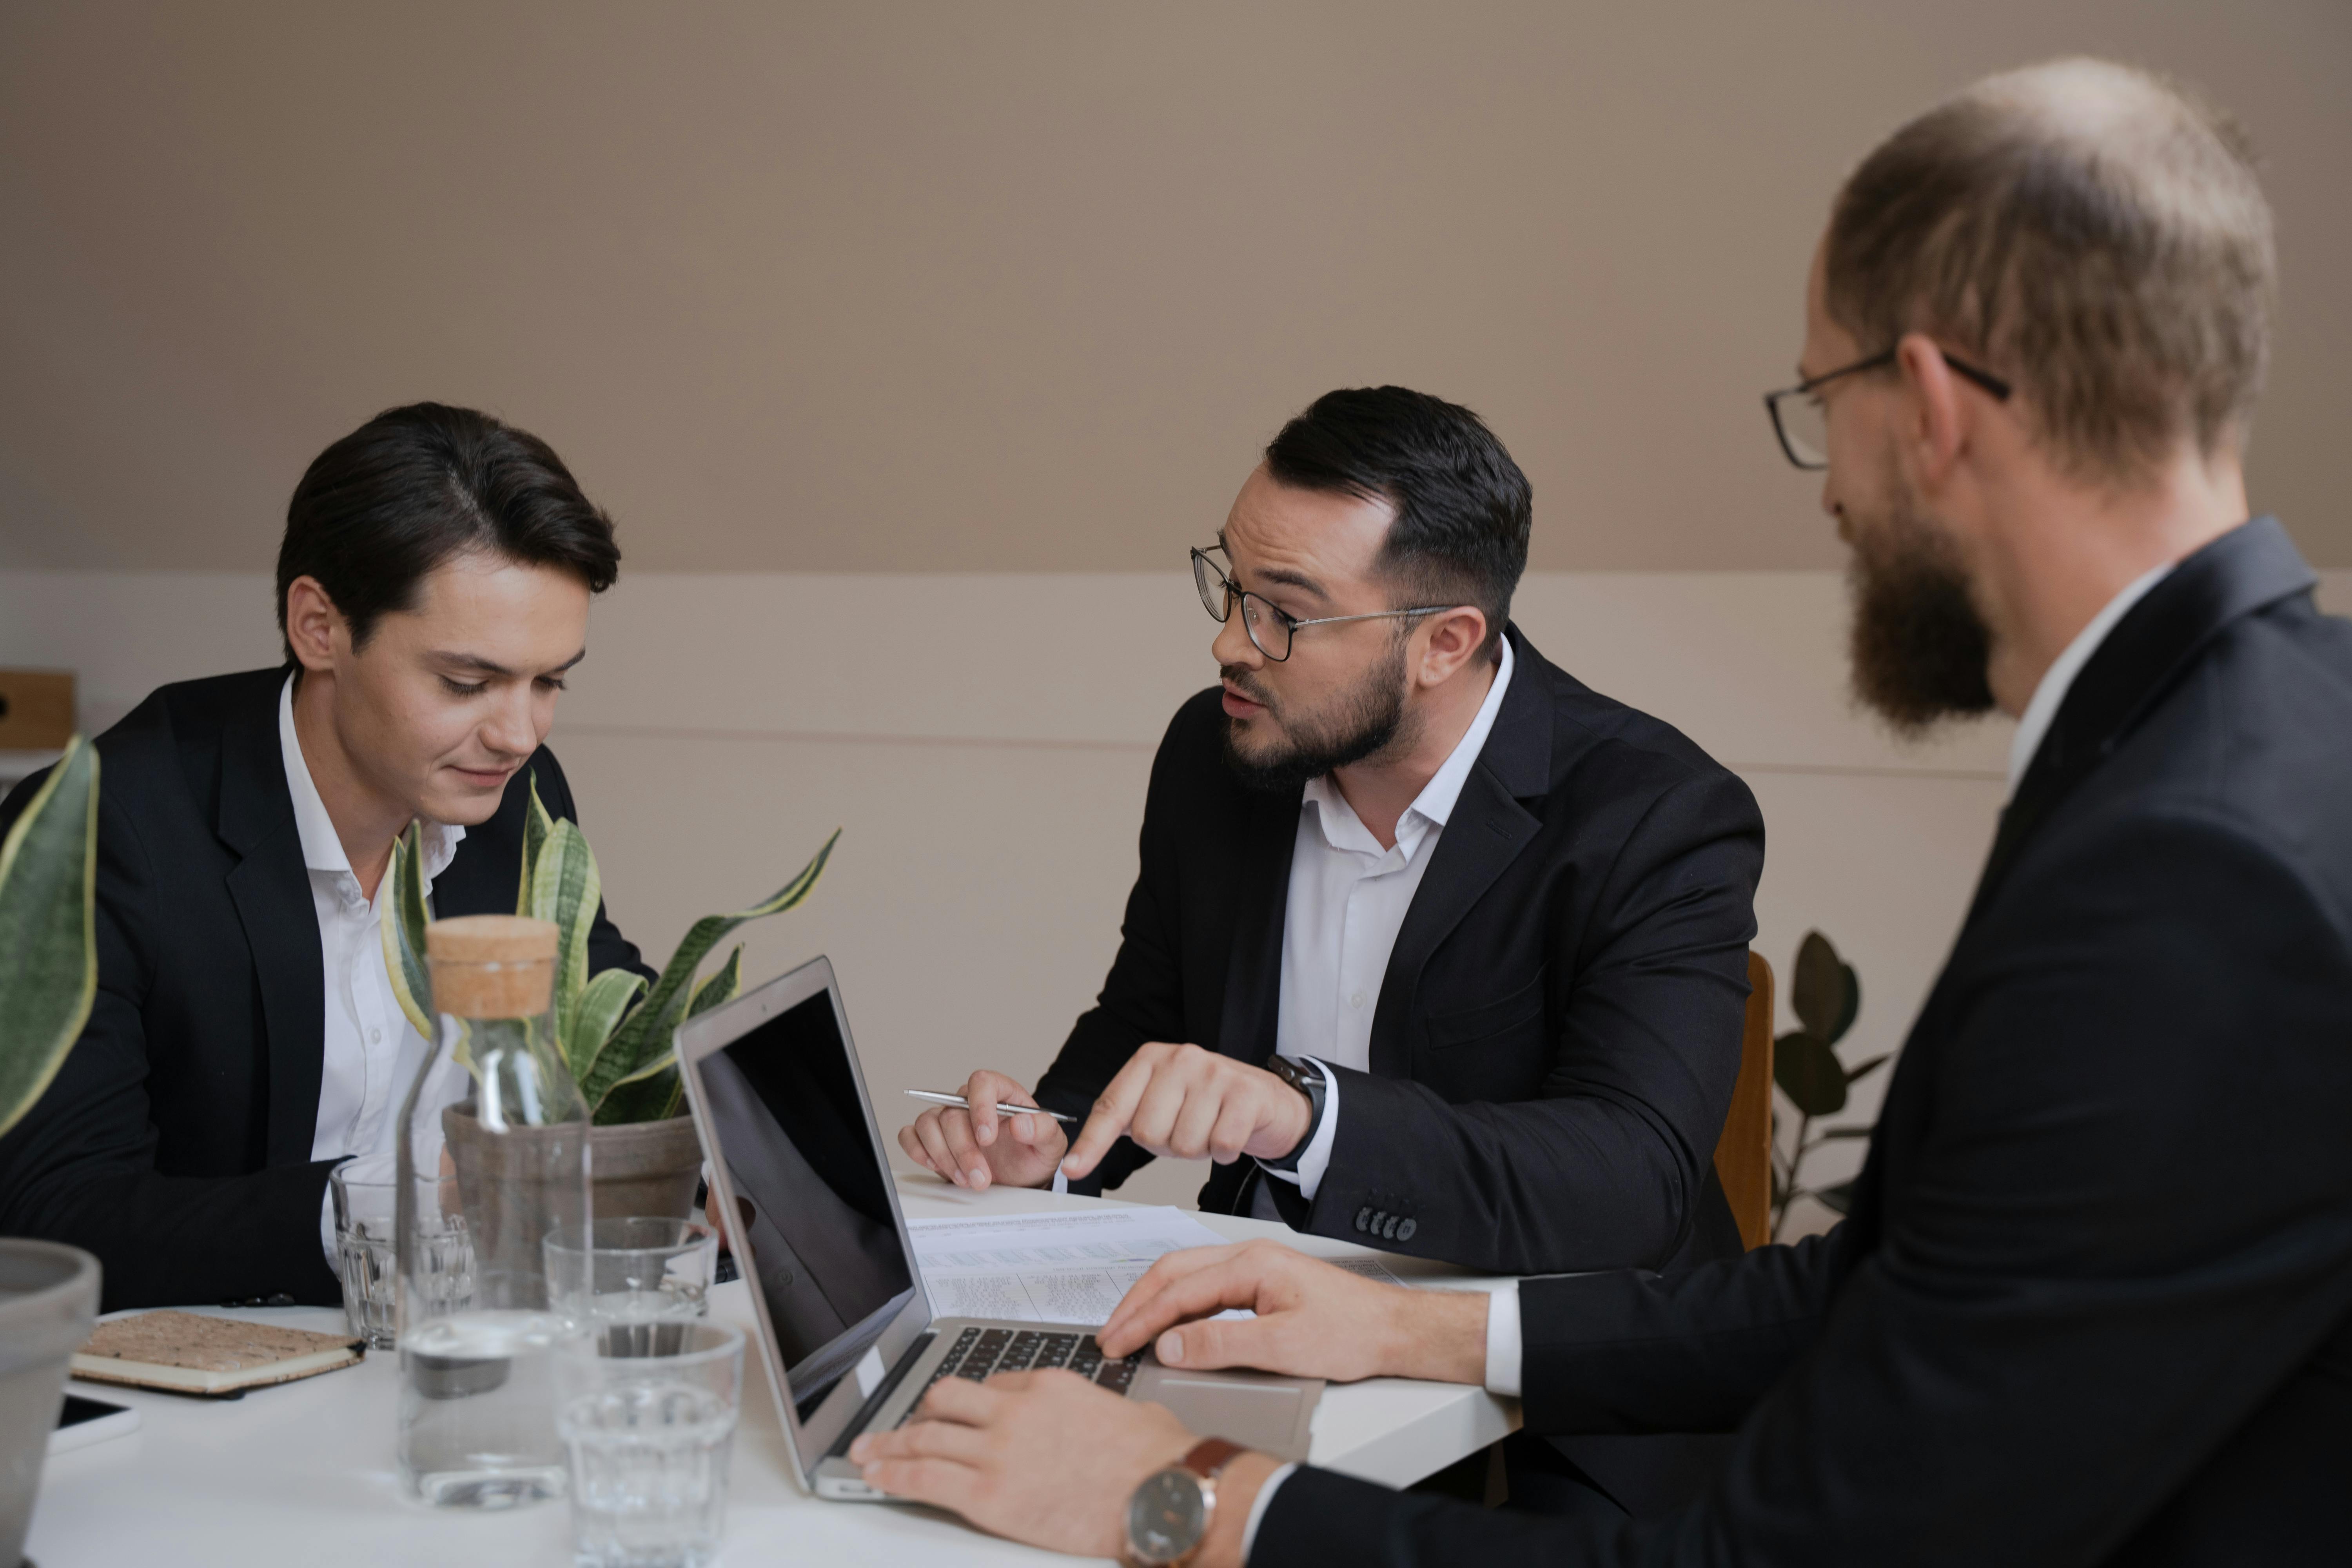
382	508
1463	508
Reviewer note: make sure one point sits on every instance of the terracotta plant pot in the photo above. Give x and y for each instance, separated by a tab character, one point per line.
48	1303
646	1169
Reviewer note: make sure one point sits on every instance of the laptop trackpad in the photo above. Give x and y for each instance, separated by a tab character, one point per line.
1274	1416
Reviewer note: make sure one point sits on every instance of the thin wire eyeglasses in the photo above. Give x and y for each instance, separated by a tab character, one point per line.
1270	630
1802	424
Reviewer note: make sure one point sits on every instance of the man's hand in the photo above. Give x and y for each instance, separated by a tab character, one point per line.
976	1148
1313	1319
1185	1102
1049	1458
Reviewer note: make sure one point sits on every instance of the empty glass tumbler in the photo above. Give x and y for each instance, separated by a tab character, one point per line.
632	1271
366	1256
484	1180
650	1433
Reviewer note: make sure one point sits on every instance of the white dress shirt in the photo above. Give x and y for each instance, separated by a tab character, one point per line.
1347	898
2051	692
371	1051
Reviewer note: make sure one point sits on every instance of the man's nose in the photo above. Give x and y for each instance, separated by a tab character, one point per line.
512	731
1232	644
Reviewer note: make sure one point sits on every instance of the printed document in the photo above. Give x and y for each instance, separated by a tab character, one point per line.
1056	1267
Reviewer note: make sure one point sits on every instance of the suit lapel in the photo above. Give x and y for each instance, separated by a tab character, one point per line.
272	890
1486	832
2250	567
1252	1010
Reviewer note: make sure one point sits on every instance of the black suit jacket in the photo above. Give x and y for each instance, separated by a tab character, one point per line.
1557	1032
176	1141
2091	1305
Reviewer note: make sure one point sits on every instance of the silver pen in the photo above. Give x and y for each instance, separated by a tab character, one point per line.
1003	1109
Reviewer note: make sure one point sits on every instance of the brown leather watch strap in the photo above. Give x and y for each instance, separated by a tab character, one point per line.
1209	1456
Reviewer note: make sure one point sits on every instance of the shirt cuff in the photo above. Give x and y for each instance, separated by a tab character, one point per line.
1257	1509
1317	1157
1503	1343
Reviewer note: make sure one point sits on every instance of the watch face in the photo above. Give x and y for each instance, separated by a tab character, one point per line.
1165	1517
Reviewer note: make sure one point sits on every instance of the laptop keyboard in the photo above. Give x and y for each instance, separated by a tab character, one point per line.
978	1351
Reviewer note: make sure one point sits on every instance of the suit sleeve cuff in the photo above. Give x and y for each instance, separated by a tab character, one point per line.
1503	1340
1257	1509
1317	1157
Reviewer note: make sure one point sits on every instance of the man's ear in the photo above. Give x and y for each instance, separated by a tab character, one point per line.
1935	418
1455	636
313	624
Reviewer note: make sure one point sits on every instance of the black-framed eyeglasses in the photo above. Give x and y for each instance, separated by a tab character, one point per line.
1270	629
1802	421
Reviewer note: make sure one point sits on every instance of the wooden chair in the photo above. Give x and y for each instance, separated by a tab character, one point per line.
1743	1158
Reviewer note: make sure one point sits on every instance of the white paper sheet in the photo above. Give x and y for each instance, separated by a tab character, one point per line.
1065	1268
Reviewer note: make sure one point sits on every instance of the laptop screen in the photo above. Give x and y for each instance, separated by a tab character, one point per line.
813	1230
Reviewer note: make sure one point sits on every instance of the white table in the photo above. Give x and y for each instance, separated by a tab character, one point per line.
302	1474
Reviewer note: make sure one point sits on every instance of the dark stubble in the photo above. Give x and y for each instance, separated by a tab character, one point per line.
1360	721
1919	649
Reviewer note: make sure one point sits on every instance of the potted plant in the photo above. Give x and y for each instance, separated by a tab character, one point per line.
617	1034
48	977
1806	1068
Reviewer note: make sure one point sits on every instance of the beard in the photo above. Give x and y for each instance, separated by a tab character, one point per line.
1919	646
1360	721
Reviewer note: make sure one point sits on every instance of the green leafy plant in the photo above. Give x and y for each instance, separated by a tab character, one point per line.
615	1032
1826	996
48	929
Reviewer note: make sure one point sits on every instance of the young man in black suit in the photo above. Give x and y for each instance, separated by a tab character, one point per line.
2093	1302
433	589
1432	948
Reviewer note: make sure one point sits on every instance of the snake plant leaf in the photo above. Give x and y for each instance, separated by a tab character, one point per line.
565	891
645	1035
639	1096
49	933
651	1098
1808	1073
403	932
1825	992
719	988
602	1002
536	826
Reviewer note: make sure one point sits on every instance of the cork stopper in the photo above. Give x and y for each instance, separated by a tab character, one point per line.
491	966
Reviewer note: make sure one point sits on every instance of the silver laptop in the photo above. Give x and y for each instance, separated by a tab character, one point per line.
846	1327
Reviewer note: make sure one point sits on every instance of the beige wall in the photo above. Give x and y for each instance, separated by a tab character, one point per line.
724	724
1020	285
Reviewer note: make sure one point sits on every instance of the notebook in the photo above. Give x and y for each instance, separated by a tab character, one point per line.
185	1353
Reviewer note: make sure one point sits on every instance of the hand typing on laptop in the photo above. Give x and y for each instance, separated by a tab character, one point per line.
1171	1099
1045	1458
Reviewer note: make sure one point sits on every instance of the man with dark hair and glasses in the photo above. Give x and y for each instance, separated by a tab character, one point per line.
433	589
2093	1304
1432	948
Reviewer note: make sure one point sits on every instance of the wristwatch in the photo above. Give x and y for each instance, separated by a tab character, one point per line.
1169	1516
1307	1078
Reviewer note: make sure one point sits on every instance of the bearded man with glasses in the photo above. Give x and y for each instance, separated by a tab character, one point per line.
1432	948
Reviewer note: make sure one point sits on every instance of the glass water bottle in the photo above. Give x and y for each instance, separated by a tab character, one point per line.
493	1155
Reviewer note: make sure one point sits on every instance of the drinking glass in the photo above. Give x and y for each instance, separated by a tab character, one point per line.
631	1270
366	1256
649	1435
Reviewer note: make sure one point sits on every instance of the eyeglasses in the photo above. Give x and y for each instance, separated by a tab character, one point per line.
1269	629
1802	421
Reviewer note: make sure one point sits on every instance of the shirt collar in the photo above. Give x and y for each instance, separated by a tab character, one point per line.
1434	803
2050	695
322	847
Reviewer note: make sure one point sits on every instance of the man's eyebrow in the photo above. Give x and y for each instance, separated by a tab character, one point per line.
1299	580
475	662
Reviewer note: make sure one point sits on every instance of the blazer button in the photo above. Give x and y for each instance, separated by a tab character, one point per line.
1388	1231
1364	1218
1405	1231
